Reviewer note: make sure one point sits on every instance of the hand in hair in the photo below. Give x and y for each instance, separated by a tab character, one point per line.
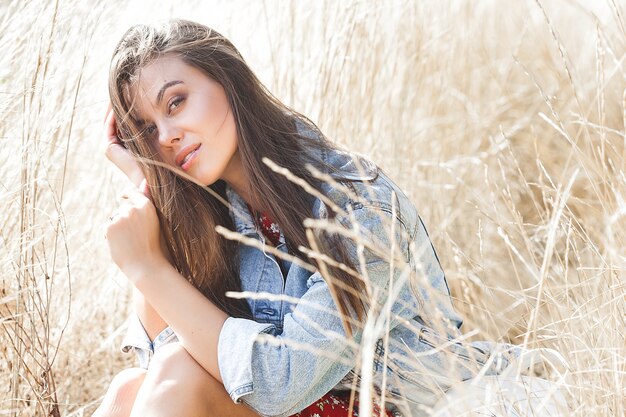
117	153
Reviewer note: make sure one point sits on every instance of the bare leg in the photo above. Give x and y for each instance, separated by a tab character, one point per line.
176	385
120	397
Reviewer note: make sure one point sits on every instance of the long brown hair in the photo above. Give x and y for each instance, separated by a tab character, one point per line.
265	128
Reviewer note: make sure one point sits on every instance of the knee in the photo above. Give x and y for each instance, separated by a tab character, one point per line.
120	395
125	385
169	360
129	378
174	376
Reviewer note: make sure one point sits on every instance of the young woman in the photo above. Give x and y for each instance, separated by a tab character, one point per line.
237	192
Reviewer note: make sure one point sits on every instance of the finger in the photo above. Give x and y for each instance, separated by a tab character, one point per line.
114	216
127	192
135	197
110	125
126	162
115	130
111	135
118	154
145	188
122	211
108	110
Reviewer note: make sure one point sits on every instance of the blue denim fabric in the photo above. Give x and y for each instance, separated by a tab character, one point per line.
295	350
137	339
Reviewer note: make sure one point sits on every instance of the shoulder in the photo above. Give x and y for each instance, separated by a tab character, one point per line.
369	194
331	158
371	209
353	182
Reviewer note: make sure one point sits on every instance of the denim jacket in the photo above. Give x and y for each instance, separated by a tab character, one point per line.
296	350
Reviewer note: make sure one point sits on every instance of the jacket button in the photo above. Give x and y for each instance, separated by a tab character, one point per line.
268	311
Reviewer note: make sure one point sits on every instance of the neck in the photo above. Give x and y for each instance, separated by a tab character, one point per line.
235	177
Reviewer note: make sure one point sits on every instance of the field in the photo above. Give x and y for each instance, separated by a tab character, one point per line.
503	121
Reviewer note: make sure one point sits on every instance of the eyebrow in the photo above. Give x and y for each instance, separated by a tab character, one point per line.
165	87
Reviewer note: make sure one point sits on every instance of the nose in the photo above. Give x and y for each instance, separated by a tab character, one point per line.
169	134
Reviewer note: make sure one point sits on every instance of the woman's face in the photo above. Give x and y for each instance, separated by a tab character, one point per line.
188	117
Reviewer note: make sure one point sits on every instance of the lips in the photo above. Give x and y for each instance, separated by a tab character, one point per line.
180	158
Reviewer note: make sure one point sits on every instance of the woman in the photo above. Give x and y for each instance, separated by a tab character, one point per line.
238	192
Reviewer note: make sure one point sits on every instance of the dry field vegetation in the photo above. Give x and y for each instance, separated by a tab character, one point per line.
503	121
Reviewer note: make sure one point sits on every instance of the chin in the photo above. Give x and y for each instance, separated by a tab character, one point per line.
206	180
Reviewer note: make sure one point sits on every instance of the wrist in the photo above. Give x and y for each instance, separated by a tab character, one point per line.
147	269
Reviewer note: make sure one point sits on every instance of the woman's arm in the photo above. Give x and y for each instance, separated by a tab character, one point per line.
196	321
138	248
279	370
150	319
303	360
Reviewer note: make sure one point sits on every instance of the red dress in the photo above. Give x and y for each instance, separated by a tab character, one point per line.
334	403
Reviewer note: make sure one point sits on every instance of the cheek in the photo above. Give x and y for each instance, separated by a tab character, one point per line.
230	128
215	118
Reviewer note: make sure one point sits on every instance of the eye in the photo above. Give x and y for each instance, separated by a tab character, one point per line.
174	103
150	130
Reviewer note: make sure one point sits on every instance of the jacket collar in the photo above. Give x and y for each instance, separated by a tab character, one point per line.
242	218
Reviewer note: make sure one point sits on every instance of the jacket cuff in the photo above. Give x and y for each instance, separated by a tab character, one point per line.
234	354
136	336
166	336
136	339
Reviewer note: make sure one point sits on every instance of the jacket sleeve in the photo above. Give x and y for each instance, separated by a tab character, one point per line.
280	373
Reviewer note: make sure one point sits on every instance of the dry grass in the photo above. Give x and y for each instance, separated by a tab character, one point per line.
503	121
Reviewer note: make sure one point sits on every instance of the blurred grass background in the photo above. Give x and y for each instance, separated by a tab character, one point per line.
503	121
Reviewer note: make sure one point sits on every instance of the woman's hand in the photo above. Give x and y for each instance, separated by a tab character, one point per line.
134	235
117	153
125	161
